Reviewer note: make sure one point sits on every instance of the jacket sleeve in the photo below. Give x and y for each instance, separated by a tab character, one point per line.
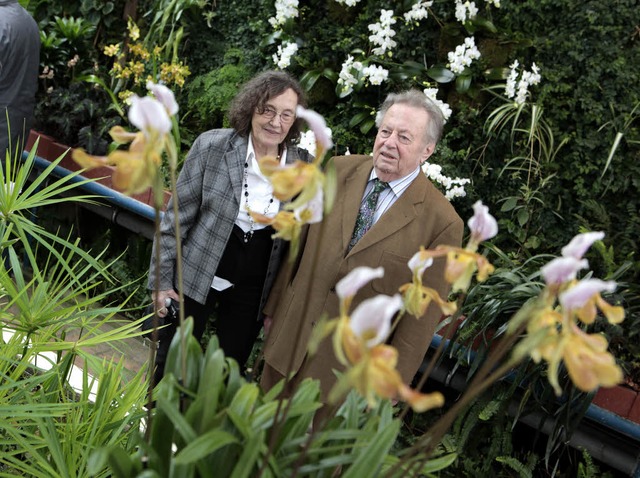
189	188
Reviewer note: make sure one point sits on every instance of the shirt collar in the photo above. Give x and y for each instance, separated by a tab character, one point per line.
397	184
251	155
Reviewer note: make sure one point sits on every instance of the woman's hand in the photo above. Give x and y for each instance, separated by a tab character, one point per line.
162	298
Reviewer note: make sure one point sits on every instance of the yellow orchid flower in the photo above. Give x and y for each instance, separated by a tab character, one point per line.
137	168
584	299
418	297
288	180
588	362
359	344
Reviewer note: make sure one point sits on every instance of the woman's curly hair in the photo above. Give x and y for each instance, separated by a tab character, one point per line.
254	95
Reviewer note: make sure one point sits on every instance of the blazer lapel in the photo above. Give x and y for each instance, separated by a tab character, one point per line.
234	159
401	213
353	186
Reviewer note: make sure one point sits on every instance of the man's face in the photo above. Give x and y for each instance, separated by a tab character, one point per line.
400	143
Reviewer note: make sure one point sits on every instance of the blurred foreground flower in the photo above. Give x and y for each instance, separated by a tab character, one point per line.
358	343
310	190
137	168
418	297
554	333
462	264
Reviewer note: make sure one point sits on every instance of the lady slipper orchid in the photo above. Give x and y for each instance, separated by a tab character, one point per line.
562	269
349	285
588	362
358	345
150	116
137	168
371	320
462	264
418	297
419	262
483	225
165	96
319	127
579	245
584	298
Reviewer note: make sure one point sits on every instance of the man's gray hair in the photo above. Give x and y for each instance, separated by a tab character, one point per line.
416	99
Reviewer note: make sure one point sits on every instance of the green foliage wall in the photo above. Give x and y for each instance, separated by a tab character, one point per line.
587	52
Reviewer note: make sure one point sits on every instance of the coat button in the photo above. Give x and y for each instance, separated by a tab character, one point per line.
333	289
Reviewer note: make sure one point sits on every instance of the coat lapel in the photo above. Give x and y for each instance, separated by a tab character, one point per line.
353	186
234	159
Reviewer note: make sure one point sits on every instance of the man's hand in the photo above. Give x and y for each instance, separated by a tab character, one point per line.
162	298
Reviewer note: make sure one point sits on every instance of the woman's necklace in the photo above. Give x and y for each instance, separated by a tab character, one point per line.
249	234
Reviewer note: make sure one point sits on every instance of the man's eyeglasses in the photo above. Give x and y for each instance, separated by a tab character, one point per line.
286	116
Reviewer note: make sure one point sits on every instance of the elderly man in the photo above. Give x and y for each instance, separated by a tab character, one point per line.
406	210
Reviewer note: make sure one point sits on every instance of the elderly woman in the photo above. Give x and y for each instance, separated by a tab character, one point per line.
228	260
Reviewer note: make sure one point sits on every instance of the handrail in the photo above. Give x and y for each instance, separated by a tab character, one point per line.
606	451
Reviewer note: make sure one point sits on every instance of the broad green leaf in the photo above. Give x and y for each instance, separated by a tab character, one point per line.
523	216
509	204
371	458
204	445
247	463
441	74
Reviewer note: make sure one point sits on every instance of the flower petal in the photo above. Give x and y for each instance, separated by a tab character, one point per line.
165	96
318	126
562	269
483	225
149	115
578	246
371	320
354	280
578	295
420	262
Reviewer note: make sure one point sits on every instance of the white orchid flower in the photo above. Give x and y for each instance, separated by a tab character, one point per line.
580	243
165	96
583	291
149	115
371	320
354	280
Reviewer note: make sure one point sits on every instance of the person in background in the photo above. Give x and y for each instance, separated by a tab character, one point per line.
386	209
229	261
19	66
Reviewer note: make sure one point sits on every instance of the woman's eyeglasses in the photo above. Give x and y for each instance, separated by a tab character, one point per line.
286	116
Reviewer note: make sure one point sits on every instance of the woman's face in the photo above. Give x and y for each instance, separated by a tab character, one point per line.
268	129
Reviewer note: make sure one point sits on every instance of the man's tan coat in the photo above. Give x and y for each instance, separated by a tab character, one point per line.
306	289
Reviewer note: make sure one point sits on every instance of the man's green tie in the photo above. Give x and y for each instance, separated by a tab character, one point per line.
367	210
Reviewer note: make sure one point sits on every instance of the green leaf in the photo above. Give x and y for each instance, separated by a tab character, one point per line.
370	459
463	82
440	74
203	446
247	461
484	24
358	118
523	216
366	126
509	204
309	79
